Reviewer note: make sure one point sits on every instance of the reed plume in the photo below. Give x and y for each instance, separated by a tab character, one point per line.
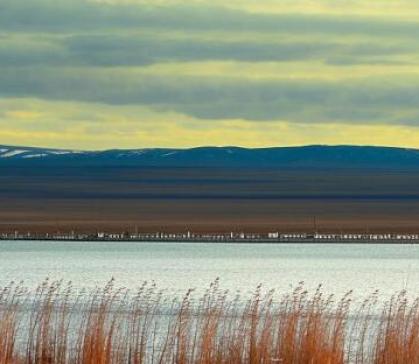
56	324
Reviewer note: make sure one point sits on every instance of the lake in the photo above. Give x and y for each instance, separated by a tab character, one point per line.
180	266
177	267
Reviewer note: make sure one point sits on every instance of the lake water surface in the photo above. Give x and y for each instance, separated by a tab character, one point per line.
180	266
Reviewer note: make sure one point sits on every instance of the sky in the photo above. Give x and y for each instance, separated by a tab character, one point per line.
174	73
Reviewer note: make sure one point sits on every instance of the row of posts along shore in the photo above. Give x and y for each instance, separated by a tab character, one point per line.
236	237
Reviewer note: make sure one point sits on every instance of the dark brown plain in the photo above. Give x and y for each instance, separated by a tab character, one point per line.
207	200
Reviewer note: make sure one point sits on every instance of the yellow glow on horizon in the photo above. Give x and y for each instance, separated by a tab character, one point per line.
119	126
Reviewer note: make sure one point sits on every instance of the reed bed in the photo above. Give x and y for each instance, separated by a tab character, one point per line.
55	324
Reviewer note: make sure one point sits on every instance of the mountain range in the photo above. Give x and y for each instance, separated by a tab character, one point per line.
313	156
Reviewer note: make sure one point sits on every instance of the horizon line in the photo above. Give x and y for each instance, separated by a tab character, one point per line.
211	146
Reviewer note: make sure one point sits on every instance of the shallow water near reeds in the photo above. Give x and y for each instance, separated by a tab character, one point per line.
176	267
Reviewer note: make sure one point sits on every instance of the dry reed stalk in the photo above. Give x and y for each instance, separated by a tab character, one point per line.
52	325
397	338
10	301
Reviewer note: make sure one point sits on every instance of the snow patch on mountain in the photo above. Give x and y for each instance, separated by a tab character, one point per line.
39	155
168	154
13	153
59	152
27	153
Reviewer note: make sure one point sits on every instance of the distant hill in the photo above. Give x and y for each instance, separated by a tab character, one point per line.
314	156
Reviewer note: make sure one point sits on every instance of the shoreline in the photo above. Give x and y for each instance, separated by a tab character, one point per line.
404	240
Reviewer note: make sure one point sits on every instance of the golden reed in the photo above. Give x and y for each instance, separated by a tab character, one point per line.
57	325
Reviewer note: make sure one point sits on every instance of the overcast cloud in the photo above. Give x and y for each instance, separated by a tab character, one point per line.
210	65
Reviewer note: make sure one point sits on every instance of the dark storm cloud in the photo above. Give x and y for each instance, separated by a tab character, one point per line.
301	101
132	50
107	50
77	15
111	50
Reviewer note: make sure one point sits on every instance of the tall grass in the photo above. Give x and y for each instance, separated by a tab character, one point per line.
56	324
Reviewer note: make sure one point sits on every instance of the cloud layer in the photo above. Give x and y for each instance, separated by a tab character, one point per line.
289	73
